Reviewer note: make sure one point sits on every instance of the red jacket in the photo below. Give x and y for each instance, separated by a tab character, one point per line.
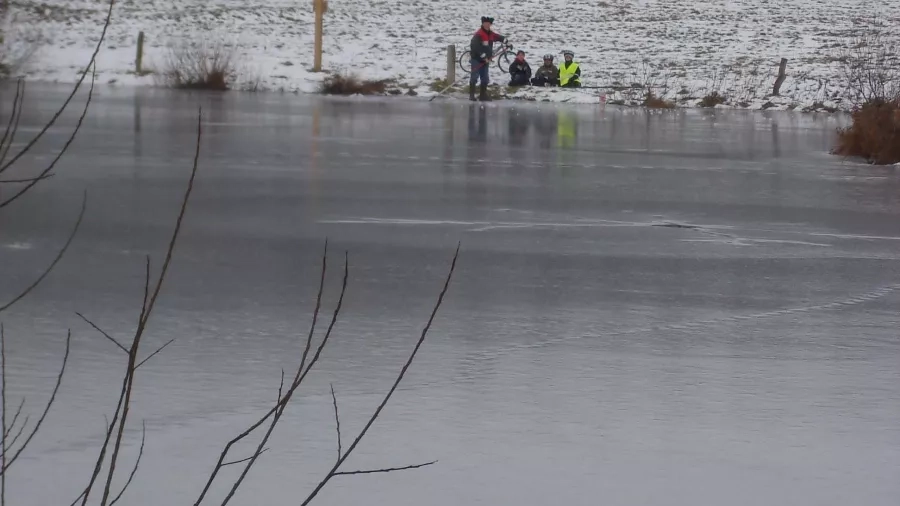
483	44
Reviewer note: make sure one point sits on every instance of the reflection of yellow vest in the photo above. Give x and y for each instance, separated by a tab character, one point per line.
566	74
565	131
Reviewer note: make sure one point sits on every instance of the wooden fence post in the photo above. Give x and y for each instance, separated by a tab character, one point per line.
319	7
451	64
782	75
139	57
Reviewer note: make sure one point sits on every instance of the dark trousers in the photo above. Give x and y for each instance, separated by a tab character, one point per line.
519	80
479	70
572	84
543	81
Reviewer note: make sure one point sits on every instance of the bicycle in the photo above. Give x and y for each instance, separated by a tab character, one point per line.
501	56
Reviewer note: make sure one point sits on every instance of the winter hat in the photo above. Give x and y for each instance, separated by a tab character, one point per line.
486	19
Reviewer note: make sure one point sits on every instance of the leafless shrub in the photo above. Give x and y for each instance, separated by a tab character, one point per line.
654	102
870	66
199	66
349	84
18	42
712	99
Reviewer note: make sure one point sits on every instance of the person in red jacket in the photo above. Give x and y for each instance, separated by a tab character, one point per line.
482	50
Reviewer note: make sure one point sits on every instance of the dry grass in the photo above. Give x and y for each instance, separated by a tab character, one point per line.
348	84
654	102
199	67
712	100
874	134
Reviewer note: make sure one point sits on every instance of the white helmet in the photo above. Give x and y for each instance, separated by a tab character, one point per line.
568	52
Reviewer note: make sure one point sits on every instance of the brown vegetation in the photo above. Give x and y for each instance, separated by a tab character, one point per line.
654	102
199	67
348	84
874	134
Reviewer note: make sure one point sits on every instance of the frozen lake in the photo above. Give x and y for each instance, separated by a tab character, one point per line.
680	308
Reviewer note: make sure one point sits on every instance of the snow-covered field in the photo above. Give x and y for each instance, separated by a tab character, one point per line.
683	49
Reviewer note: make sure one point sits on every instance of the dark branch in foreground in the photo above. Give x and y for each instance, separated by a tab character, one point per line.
69	141
385	470
88	67
62	370
337	423
161	348
264	450
335	469
128	381
55	261
137	463
13	126
102	332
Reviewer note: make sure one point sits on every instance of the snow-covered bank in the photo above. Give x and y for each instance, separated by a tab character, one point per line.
683	49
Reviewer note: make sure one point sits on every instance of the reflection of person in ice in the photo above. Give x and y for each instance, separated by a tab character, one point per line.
518	124
476	148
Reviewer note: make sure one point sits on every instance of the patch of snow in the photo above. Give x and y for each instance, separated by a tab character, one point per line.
681	49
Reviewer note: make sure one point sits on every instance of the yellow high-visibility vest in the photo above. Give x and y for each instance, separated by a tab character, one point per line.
566	74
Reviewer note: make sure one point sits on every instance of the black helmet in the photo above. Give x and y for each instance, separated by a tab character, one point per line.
548	56
486	19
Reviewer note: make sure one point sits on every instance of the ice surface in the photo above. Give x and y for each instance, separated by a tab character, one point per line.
590	351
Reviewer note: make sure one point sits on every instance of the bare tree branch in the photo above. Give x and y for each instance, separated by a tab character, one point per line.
108	428
146	289
244	459
10	129
385	470
10	443
69	141
55	261
262	443
136	464
12	424
102	332
75	89
62	370
128	381
312	328
13	126
26	180
3	407
161	348
393	388
337	423
294	384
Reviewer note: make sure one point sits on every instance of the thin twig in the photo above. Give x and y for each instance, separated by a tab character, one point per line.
146	289
37	426
55	261
135	345
12	424
10	443
315	318
136	464
26	180
262	443
244	459
75	89
13	121
20	90
161	348
3	407
337	423
393	388
69	141
102	332
334	318
108	428
385	470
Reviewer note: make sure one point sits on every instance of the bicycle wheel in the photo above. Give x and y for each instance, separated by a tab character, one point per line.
503	62
465	61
